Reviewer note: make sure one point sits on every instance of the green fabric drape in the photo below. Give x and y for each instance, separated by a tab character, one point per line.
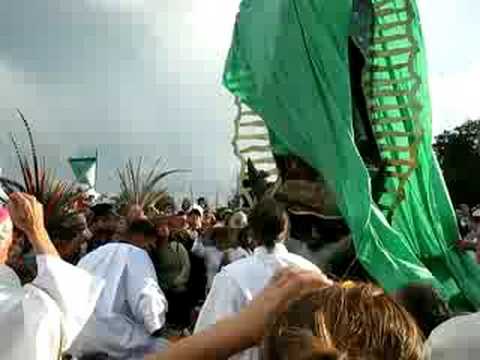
289	63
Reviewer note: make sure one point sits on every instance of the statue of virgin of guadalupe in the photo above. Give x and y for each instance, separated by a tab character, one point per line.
342	89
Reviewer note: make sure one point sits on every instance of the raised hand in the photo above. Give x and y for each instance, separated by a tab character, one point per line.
26	213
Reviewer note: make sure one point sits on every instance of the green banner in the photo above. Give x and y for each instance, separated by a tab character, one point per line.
85	170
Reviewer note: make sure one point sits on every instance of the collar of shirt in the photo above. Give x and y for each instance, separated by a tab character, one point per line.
279	249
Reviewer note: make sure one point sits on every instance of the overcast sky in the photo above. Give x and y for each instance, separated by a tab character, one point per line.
141	77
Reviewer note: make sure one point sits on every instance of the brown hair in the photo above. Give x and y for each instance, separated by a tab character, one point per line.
267	221
357	321
220	236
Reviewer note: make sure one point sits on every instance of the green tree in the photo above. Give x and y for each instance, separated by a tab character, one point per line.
458	152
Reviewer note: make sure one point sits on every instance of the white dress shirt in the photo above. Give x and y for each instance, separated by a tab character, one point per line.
456	339
235	254
238	283
130	309
40	320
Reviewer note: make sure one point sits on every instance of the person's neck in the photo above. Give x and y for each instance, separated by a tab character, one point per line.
138	244
162	243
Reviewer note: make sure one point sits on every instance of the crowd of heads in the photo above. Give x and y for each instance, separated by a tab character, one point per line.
344	321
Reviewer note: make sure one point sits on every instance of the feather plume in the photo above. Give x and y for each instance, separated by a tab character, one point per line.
144	188
57	197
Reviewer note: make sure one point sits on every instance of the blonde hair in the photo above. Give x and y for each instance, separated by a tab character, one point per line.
355	321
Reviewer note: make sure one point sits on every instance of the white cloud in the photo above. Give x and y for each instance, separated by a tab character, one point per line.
451	33
455	98
117	5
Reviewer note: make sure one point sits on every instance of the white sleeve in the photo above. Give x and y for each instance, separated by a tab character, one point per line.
224	299
198	248
74	291
146	299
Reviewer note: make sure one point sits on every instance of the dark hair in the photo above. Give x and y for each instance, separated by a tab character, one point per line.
425	305
267	221
103	210
142	227
69	229
195	211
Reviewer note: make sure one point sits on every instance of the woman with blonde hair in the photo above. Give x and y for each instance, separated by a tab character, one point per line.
300	317
344	321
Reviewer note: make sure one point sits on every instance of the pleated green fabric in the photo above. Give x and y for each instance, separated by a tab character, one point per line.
289	63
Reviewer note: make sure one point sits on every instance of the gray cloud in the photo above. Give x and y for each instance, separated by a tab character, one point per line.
124	76
142	77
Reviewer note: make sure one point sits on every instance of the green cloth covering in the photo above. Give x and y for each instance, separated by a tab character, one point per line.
289	63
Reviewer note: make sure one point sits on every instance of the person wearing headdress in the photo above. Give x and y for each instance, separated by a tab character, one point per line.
62	216
41	319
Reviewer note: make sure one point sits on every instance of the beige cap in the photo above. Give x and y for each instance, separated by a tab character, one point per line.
239	220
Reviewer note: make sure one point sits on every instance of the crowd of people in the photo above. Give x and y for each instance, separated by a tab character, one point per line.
200	284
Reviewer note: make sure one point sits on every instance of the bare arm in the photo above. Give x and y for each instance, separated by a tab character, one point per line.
235	334
217	342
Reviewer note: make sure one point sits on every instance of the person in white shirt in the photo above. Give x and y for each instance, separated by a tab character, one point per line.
237	225
238	283
40	320
131	311
455	339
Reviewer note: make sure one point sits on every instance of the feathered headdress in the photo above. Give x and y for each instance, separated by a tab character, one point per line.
57	197
143	188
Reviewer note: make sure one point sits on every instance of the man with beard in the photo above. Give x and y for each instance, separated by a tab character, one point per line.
72	238
103	225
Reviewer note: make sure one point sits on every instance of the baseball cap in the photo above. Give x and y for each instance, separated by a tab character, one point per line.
238	220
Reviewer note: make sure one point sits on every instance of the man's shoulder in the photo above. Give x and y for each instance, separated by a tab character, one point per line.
240	266
119	249
300	261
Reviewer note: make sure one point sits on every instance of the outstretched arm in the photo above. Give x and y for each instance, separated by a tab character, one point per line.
235	334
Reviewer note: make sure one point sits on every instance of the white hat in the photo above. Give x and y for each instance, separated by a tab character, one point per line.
239	220
476	213
197	208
